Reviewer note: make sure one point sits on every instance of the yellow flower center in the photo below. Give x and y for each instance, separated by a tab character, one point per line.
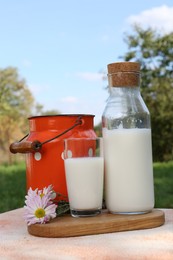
41	195
40	213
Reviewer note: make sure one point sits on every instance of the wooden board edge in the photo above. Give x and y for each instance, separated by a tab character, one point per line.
131	222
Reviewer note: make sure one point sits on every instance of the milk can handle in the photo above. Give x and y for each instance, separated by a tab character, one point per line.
34	146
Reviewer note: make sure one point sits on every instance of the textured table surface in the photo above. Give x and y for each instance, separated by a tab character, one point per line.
151	244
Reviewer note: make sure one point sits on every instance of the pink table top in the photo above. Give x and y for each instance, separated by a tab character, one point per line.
148	244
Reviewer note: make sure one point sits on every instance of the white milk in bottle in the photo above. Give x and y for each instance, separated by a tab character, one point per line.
127	143
128	166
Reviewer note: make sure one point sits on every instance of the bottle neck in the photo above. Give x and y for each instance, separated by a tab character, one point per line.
124	91
125	108
124	79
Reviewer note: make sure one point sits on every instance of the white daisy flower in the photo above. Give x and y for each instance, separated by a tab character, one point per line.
39	207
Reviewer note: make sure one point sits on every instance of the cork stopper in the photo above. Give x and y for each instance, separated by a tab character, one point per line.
124	74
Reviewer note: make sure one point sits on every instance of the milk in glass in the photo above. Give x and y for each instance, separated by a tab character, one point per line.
84	178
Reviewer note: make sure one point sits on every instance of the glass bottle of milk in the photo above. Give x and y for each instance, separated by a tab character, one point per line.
126	131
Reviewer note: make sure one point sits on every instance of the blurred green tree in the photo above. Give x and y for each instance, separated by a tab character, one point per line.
154	51
16	104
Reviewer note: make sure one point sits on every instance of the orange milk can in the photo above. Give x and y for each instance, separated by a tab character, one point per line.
44	147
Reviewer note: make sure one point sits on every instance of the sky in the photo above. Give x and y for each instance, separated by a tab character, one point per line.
61	48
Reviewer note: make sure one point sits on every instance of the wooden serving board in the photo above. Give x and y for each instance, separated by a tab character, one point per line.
67	226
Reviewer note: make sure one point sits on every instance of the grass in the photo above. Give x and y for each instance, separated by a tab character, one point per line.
13	183
163	184
12	189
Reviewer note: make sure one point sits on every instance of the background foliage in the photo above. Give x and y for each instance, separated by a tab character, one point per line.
155	54
16	102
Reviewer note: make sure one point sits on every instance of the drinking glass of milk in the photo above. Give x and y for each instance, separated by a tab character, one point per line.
126	131
84	170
